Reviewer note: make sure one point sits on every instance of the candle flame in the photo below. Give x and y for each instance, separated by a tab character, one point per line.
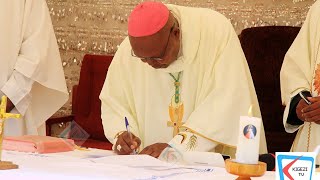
250	111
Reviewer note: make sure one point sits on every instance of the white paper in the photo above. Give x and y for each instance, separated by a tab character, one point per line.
131	160
203	158
136	167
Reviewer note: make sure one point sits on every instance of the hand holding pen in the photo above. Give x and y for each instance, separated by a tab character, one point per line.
130	135
127	142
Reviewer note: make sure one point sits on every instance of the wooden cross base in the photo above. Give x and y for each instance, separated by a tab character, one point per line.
4	165
245	171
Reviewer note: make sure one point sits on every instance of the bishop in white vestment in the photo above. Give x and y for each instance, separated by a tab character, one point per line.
300	72
32	76
186	86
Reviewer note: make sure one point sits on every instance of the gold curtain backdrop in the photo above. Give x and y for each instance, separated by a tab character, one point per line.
99	26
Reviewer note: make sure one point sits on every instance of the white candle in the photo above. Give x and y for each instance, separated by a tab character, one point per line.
248	140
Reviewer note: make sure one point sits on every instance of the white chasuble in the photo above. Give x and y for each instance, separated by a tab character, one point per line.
215	88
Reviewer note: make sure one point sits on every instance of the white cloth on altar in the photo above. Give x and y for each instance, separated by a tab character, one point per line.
72	166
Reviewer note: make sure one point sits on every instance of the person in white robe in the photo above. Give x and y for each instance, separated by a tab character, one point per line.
181	79
300	72
32	76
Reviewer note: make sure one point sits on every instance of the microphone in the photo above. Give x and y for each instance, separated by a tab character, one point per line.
269	159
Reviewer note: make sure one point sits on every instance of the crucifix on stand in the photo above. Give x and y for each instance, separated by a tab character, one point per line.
3	116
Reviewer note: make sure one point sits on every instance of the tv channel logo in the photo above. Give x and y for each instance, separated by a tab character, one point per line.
295	165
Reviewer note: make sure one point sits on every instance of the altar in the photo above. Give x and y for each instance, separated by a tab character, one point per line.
100	164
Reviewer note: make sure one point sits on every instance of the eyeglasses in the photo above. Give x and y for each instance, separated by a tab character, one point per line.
160	58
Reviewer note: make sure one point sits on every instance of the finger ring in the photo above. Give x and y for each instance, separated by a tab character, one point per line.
119	147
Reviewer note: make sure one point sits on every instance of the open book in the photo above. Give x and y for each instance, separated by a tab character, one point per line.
38	144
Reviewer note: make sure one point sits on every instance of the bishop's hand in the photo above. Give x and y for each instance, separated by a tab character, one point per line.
126	143
154	150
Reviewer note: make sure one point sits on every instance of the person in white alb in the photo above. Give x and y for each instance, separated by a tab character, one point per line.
300	72
31	73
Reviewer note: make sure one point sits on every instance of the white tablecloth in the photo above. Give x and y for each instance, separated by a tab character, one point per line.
99	164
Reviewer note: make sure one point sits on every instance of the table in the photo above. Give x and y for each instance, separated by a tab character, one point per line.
100	164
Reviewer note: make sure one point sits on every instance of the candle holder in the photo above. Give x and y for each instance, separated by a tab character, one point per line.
245	171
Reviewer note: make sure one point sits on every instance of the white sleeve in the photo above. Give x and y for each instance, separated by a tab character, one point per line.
17	89
188	141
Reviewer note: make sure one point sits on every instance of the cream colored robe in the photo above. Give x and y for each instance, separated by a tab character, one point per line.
301	71
216	86
31	72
